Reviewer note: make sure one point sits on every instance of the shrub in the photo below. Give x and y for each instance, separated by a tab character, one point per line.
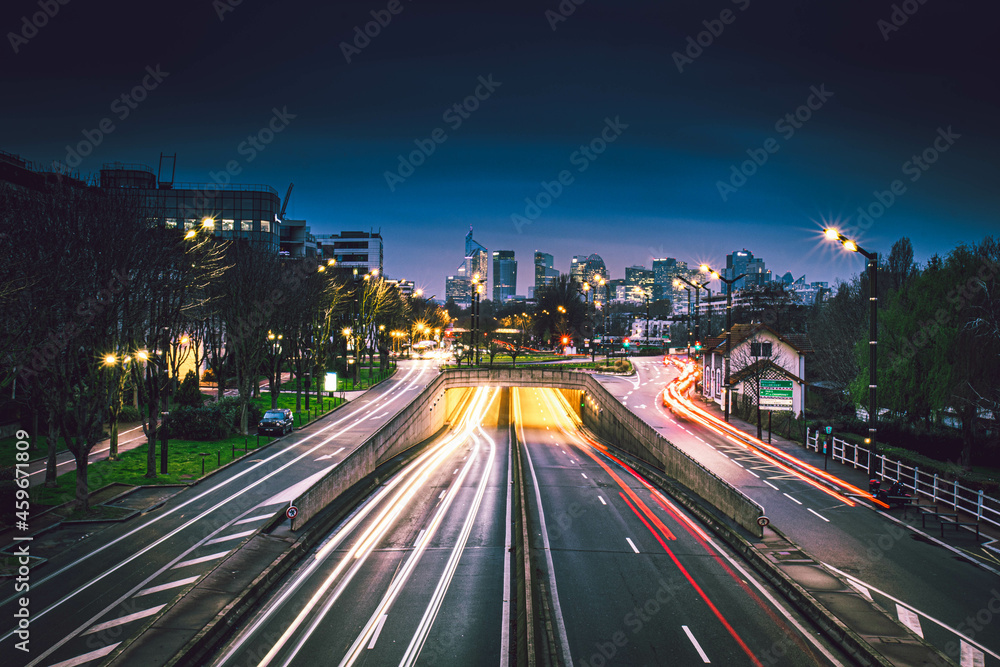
230	407
208	375
189	393
129	413
197	423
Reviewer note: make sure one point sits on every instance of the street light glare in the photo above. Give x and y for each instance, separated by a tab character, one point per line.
850	245
208	223
831	233
190	234
110	360
715	274
142	355
704	267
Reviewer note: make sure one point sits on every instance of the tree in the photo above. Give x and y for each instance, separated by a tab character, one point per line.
754	359
189	393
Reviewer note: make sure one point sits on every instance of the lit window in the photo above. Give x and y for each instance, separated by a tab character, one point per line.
228	224
171	223
265	225
189	224
246	225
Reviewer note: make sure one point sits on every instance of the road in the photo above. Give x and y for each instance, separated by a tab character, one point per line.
93	596
631	578
951	602
418	570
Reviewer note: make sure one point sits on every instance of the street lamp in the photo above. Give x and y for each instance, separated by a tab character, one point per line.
729	329
872	257
677	283
697	303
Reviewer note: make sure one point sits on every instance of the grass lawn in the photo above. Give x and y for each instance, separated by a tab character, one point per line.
8	447
367	376
288	401
184	466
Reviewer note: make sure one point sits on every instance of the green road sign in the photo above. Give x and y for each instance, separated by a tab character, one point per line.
776	394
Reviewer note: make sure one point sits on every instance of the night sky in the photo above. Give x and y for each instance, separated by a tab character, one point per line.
677	118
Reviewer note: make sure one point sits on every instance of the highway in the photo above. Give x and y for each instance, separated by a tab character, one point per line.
418	570
631	579
97	594
927	585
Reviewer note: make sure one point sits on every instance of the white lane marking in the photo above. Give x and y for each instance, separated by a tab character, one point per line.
87	657
697	646
770	485
818	514
123	620
193	520
632	544
584	475
416	542
910	619
754	474
508	543
738	463
195	561
850	577
793	499
167	587
442	493
971	657
378	630
456	472
330	456
259	517
234	536
861	589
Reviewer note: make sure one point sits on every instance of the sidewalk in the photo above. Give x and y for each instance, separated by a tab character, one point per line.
989	534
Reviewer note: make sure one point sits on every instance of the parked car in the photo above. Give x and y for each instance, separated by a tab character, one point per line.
275	422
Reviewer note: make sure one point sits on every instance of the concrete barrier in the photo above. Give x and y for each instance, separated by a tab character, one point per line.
603	414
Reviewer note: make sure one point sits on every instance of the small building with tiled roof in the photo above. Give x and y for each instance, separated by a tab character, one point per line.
758	352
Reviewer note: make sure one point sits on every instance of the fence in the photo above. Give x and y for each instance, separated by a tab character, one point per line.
921	484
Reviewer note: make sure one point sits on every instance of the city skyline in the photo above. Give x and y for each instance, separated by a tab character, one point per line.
635	132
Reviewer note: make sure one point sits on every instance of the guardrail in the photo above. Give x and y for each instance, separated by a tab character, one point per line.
973	502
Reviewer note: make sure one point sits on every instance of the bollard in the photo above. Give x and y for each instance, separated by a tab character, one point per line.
234	450
219	463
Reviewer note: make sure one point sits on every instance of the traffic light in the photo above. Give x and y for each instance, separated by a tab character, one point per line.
697	346
625	343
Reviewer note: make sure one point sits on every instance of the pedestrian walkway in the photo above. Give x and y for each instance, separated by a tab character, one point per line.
961	539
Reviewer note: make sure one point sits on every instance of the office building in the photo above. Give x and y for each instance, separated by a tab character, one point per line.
361	251
476	258
458	289
504	275
545	272
743	261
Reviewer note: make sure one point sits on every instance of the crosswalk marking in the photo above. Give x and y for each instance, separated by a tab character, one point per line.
123	620
87	657
195	561
167	587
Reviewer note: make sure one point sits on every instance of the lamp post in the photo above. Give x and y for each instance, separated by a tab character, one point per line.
729	329
872	258
688	290
697	303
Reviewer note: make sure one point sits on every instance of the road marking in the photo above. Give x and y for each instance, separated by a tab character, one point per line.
87	657
378	630
861	589
602	500
167	587
584	475
123	620
739	464
416	542
794	500
234	536
972	657
442	494
259	517
697	646
754	474
456	471
910	619
195	561
818	514
631	544
770	485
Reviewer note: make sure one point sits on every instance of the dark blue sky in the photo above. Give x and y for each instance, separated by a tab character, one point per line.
654	191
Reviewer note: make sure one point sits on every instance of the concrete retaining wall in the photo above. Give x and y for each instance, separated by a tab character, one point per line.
602	414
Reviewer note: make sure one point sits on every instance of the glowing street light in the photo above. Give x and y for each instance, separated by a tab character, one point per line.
851	246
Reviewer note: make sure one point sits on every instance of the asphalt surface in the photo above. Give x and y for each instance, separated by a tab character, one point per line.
632	579
417	571
928	585
87	600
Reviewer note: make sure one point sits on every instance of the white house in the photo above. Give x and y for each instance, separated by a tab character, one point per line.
758	352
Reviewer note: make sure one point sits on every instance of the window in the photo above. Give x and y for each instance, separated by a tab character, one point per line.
265	225
171	223
188	224
228	224
246	225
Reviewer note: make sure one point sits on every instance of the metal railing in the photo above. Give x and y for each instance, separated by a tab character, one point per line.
973	502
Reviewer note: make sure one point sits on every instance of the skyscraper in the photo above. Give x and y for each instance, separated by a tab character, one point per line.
504	275
743	261
545	272
476	258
